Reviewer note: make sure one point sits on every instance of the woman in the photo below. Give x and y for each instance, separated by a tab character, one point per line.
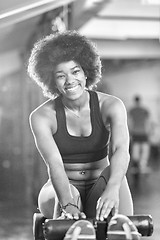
73	129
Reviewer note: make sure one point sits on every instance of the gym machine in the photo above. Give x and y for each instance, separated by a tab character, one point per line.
49	229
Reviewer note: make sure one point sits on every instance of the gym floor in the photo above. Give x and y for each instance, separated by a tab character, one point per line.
16	220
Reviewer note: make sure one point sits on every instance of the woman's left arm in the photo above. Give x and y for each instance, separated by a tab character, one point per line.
114	114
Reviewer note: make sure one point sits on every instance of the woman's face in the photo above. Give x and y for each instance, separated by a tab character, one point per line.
70	79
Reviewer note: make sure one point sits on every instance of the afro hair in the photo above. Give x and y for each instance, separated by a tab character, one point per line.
54	49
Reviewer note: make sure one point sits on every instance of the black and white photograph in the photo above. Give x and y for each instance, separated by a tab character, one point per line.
80	120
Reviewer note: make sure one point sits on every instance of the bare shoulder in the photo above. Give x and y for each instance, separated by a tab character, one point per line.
111	106
43	115
109	101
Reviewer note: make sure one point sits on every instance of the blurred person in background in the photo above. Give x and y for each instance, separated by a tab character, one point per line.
139	131
73	130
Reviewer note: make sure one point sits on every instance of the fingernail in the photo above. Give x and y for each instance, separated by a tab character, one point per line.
101	218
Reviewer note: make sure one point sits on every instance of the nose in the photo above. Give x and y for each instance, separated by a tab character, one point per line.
69	79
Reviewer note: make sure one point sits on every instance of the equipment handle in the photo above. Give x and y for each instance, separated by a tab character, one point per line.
144	224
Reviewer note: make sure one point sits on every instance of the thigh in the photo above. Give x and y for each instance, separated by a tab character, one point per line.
95	192
48	201
125	205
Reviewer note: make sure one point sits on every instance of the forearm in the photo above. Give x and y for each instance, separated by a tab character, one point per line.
118	167
61	184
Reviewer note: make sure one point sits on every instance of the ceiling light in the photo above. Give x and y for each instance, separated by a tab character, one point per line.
151	2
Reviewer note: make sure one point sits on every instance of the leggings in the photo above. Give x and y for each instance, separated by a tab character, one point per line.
87	196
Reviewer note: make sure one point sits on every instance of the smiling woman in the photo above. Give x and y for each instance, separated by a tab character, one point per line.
62	48
70	79
73	129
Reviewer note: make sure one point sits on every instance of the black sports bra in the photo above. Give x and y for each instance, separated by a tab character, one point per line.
75	149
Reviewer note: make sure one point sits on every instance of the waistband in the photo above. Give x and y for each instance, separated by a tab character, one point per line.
82	183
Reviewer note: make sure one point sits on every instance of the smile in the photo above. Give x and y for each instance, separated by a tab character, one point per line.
72	89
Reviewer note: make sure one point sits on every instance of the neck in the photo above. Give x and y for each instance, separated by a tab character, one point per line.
78	104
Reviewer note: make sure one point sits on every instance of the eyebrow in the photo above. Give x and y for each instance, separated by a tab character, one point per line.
58	72
61	71
75	67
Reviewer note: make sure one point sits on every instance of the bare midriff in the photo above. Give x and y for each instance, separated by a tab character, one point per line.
85	171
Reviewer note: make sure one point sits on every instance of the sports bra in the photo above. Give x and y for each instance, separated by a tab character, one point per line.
78	149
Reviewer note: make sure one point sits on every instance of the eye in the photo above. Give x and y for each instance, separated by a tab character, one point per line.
75	72
59	77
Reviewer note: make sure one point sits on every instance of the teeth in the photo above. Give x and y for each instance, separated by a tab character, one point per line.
72	89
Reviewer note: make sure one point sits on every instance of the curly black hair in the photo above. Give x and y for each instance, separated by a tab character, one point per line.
53	49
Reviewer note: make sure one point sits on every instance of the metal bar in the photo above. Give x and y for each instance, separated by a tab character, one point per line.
22	13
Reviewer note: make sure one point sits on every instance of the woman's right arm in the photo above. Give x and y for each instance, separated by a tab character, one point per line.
41	127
